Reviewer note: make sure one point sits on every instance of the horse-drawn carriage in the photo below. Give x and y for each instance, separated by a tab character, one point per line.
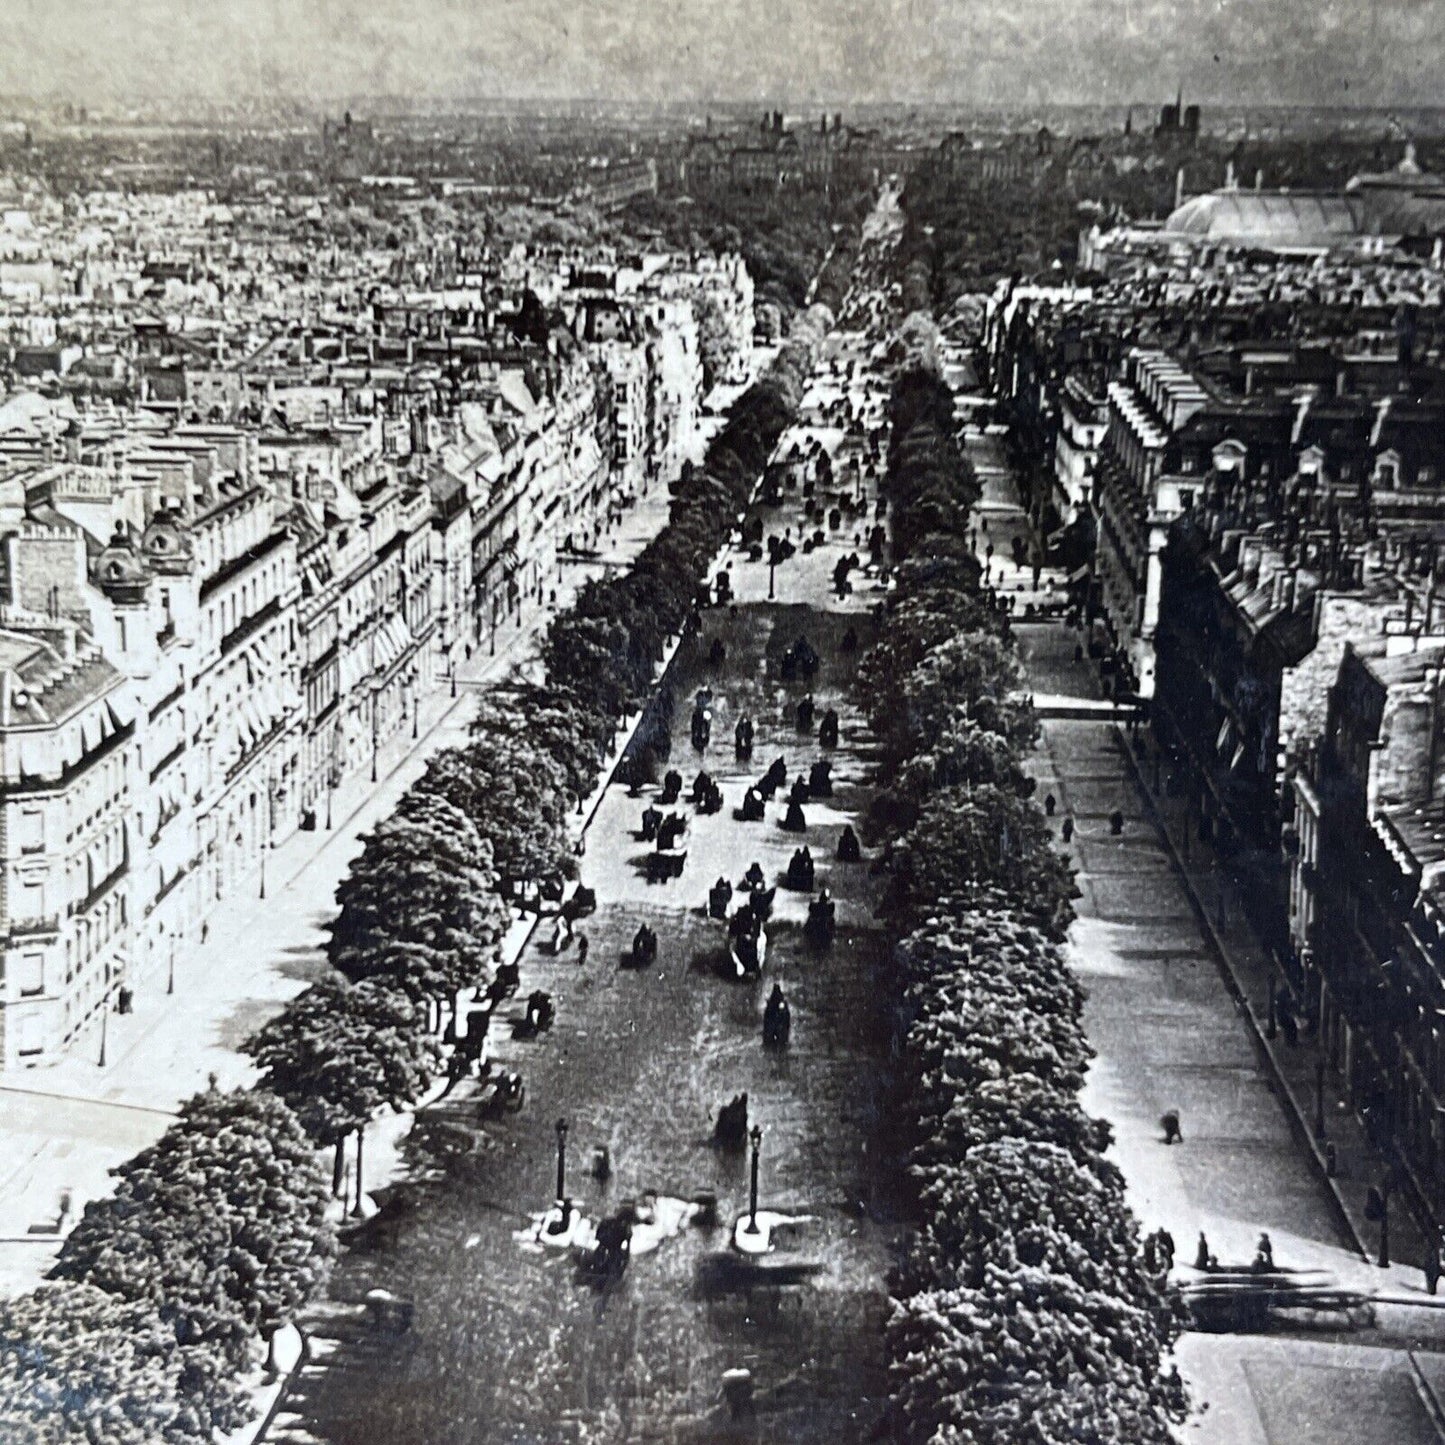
501	1093
820	779
644	947
747	941
505	982
670	856
1251	1299
540	1015
581	904
800	660
701	727
777	1019
743	737
719	897
821	925
800	874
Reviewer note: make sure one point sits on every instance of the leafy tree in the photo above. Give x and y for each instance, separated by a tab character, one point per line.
516	799
423	883
923	618
556	720
1036	1203
340	1053
1018	1106
989	837
80	1365
1029	1358
220	1226
973	681
590	656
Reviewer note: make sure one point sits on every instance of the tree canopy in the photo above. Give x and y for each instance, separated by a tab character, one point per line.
80	1366
423	884
340	1053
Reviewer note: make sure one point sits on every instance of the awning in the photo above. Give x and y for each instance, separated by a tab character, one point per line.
353	668
392	640
251	726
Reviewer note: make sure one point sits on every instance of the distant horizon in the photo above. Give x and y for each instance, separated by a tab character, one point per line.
980	54
402	104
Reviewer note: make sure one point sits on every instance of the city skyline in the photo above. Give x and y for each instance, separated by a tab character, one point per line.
1245	52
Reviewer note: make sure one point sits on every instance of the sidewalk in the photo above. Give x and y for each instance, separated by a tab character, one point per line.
1320	1120
65	1127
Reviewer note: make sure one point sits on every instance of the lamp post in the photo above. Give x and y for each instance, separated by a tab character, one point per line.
1320	1096
1385	1221
374	743
756	1135
104	1021
772	579
171	971
561	1127
415	713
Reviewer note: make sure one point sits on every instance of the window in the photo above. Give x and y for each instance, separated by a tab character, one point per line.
31	974
28	1035
30	831
31	902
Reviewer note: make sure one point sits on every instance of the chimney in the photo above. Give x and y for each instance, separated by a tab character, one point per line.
1302	410
1382	410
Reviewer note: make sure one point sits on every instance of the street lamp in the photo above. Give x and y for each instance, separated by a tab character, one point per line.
756	1135
1385	1222
561	1127
171	972
772	578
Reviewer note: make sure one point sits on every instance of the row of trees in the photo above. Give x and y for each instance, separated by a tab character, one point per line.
1023	1311
782	237
424	910
214	1237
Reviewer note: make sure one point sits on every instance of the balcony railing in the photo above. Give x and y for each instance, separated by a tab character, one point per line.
34	927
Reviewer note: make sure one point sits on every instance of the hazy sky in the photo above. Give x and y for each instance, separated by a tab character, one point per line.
1254	51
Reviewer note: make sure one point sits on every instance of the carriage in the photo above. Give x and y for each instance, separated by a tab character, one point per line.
747	942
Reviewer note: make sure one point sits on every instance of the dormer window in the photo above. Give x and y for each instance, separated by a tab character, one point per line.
1229	457
1387	470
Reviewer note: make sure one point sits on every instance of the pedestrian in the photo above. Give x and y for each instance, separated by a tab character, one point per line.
1202	1255
1116	822
1050	803
205	931
1166	1248
1432	1264
583	944
1170	1124
1068	830
1264	1253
